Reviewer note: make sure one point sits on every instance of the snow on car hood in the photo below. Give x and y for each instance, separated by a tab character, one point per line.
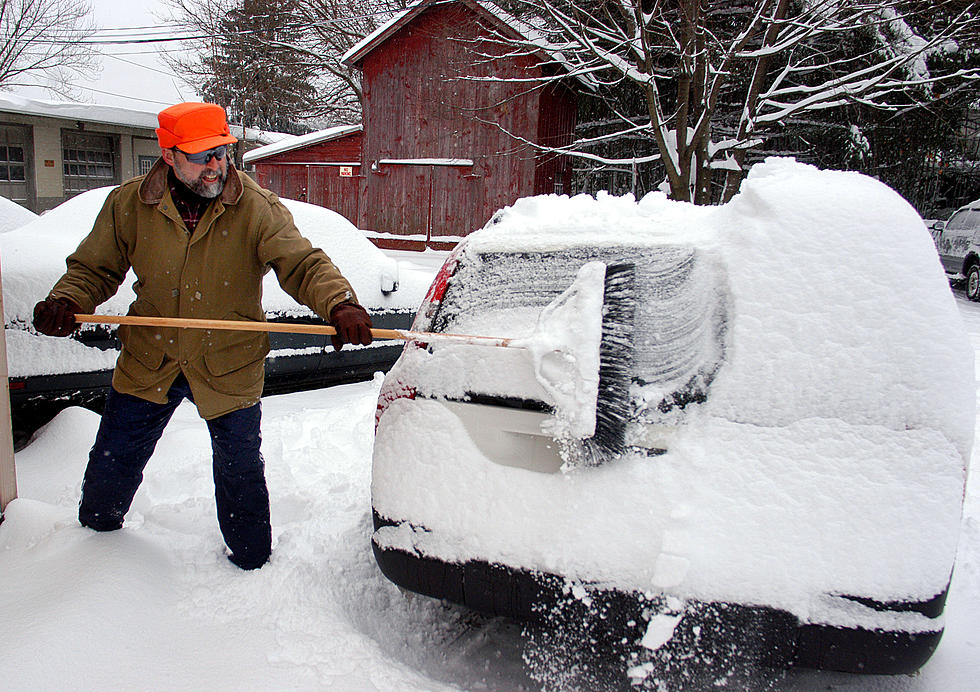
829	457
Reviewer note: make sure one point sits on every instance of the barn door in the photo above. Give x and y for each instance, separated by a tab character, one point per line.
397	201
422	200
451	200
336	188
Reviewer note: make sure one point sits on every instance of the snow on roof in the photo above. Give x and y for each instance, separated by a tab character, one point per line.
253	135
87	112
520	29
291	142
113	115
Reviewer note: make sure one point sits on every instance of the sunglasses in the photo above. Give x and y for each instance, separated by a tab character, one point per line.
203	157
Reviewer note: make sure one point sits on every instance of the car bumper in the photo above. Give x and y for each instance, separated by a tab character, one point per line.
770	637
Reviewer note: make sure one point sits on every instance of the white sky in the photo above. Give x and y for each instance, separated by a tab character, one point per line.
136	77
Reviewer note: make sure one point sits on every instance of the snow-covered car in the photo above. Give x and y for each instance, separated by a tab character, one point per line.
958	243
47	373
778	468
12	215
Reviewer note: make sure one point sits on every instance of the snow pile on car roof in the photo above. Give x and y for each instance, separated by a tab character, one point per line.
34	259
828	458
842	310
12	215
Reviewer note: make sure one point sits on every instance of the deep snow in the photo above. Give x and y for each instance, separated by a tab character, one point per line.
12	215
157	607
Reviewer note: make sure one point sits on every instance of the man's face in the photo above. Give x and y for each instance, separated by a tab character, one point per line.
206	180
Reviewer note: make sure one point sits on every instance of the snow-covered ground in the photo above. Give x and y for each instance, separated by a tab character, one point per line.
156	606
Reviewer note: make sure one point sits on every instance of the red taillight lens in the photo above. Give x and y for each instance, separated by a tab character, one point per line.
433	298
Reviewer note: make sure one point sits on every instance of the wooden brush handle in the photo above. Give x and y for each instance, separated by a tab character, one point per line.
252	326
237	325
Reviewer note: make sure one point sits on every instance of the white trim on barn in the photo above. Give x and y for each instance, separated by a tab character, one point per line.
300	141
522	31
321	164
426	162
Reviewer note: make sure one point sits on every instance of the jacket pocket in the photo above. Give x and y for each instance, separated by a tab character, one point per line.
147	345
235	360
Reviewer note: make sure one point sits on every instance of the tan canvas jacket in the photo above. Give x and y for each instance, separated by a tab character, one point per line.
213	273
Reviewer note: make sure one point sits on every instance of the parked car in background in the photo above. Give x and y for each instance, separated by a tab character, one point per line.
958	242
777	468
46	374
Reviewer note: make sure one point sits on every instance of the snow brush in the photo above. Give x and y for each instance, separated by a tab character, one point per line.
581	347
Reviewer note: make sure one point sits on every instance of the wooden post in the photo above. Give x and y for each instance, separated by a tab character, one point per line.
8	475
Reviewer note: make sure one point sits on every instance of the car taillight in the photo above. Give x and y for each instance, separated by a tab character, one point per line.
433	298
391	390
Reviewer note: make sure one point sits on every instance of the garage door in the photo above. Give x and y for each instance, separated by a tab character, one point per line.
89	161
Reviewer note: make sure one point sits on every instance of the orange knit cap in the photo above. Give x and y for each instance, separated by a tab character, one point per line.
193	127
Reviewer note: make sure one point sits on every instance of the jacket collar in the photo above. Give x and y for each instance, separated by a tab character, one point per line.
154	184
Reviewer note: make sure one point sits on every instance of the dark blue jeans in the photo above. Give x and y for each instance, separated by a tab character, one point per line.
126	439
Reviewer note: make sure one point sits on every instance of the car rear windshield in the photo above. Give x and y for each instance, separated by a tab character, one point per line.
679	320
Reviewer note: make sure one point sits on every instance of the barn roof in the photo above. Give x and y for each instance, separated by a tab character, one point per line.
300	141
517	28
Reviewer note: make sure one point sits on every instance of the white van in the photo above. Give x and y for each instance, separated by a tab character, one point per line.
958	242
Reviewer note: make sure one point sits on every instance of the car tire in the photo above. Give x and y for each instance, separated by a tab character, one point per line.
973	282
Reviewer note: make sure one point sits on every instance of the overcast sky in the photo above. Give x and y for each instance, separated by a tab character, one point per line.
136	77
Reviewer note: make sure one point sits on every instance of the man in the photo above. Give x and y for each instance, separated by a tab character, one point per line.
199	235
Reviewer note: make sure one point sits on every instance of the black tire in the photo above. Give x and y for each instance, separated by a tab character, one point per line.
972	285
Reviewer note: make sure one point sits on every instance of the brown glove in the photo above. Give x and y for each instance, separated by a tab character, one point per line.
353	325
55	316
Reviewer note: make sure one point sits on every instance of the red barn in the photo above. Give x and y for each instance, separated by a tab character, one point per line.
449	113
321	168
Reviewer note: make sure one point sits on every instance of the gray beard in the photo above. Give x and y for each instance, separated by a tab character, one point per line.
207	190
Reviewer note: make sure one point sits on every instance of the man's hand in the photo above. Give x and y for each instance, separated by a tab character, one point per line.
353	325
55	316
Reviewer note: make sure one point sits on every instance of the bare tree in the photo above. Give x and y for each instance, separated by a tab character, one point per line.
269	49
714	79
333	27
44	43
245	61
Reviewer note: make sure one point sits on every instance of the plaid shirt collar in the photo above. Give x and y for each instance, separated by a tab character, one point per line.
190	206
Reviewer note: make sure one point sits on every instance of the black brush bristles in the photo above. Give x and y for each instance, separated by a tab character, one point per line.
615	363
